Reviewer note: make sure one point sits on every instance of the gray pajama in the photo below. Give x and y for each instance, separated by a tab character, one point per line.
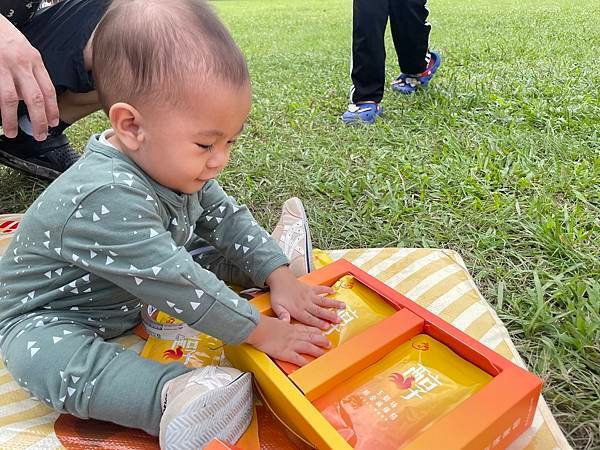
103	238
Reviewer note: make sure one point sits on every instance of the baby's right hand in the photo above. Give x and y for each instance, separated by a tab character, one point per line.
287	342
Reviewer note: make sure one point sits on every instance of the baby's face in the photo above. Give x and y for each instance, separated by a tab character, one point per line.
183	148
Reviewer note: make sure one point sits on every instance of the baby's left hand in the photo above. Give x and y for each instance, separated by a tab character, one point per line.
291	298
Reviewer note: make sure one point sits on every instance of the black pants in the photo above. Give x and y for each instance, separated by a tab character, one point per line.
410	32
60	33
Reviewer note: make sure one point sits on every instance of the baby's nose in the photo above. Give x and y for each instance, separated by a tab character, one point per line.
218	160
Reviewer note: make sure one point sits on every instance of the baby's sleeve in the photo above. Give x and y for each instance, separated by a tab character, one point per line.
117	233
232	229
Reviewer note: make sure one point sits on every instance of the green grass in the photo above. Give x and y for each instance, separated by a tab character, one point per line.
499	159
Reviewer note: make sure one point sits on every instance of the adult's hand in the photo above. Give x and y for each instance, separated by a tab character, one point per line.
24	77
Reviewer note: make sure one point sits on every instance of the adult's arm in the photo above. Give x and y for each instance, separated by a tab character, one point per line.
24	77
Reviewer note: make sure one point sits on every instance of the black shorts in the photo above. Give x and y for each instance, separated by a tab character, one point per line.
60	33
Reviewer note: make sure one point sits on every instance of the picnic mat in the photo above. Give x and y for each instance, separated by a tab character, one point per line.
436	279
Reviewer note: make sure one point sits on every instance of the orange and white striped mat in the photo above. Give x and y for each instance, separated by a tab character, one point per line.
436	279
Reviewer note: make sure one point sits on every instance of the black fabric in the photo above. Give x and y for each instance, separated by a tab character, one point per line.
410	32
60	33
25	146
18	12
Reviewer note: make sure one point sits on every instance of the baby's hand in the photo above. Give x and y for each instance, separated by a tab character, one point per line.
287	342
304	302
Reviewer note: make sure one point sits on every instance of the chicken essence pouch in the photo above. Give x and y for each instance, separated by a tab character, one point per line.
391	401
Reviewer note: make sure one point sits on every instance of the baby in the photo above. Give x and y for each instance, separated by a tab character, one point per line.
120	227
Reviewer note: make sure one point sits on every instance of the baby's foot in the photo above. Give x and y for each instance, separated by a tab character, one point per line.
203	404
293	236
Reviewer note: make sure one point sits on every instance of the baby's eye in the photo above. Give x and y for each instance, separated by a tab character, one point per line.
206	147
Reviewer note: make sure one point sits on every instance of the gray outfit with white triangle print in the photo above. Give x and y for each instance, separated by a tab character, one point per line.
102	238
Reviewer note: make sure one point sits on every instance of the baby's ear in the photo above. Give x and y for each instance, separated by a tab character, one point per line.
126	123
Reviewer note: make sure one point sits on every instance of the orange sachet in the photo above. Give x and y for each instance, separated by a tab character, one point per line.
388	403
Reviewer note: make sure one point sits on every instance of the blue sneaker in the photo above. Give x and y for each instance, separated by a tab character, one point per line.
408	84
365	112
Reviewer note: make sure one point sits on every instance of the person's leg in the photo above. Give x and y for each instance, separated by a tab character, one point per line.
62	34
84	375
88	377
368	50
74	106
410	32
367	70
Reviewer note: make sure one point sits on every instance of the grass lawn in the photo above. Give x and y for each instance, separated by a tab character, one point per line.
499	159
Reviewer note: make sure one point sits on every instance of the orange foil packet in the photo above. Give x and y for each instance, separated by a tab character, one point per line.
390	402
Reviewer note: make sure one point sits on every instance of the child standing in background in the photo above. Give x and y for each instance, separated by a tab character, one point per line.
410	32
117	228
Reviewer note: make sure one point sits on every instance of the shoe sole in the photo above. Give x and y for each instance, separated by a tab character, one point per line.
223	413
30	168
308	249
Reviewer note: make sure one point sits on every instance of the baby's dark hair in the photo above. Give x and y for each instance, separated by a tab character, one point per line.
152	51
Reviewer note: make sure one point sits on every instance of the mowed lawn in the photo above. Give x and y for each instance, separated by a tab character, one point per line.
499	159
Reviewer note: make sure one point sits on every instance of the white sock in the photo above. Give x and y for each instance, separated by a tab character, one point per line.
25	125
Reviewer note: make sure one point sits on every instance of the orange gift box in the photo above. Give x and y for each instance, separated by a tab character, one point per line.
493	400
